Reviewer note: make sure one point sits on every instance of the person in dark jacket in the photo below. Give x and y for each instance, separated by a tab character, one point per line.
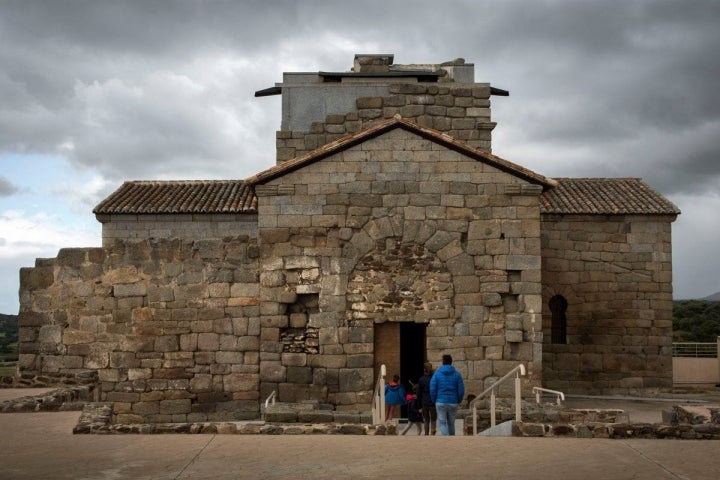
427	407
414	413
447	390
394	398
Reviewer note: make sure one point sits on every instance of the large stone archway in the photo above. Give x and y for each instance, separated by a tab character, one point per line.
399	283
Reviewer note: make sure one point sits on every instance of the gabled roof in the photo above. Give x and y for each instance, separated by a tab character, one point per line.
591	196
385	126
186	196
605	196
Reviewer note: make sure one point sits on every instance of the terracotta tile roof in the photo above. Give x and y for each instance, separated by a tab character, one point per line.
605	196
385	126
184	196
600	196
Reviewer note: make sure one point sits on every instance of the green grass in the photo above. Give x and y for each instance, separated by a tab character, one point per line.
7	371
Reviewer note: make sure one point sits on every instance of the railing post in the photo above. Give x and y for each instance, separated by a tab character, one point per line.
378	404
518	399
518	371
492	408
474	419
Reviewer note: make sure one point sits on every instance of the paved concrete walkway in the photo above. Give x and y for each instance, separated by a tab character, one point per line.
41	446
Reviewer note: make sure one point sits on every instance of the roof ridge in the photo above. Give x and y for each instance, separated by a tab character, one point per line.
185	181
384	126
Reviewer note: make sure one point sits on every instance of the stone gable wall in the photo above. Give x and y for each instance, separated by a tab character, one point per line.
616	274
399	229
462	111
172	327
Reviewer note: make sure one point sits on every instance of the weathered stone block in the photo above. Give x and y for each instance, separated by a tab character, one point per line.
294	359
129	290
523	262
50	334
139	373
32	319
201	383
174	407
229	357
299	375
272	372
208	341
126	419
123	397
360	360
245	290
123	360
166	343
145	408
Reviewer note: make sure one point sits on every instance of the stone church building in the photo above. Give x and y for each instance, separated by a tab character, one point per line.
386	233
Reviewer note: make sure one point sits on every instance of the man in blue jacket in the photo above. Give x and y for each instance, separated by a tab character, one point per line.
447	391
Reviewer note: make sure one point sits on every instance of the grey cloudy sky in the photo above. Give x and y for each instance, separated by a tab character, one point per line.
94	93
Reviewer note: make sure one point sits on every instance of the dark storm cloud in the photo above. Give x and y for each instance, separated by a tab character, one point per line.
6	188
620	86
158	89
120	87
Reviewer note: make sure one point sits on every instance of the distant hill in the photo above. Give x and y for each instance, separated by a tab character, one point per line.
696	321
715	297
8	320
8	334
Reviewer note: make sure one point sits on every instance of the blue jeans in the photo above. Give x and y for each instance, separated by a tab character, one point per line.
446	417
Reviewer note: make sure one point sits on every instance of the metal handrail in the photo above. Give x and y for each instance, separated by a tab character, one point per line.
695	349
537	390
378	405
270	397
519	370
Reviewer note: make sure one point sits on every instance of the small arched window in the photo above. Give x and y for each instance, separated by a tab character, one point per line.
558	308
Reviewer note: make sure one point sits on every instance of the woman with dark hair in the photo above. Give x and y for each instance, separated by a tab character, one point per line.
427	407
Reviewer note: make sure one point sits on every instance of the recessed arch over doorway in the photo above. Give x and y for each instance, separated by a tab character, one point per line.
396	291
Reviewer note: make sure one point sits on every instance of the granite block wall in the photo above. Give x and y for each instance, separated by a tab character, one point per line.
399	229
616	274
172	327
461	110
133	227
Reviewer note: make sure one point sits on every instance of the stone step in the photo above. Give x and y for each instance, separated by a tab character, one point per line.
289	415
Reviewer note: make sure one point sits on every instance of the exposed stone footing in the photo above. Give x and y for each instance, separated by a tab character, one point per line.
62	399
41	380
547	420
312	412
705	431
96	419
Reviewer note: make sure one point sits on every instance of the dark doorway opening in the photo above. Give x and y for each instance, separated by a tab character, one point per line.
400	346
412	352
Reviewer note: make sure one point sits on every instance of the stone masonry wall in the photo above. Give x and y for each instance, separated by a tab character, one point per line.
462	111
398	229
171	326
615	273
189	226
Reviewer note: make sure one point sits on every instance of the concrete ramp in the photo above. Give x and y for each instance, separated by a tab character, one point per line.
500	430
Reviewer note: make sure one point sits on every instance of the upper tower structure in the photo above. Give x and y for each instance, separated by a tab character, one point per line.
320	107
